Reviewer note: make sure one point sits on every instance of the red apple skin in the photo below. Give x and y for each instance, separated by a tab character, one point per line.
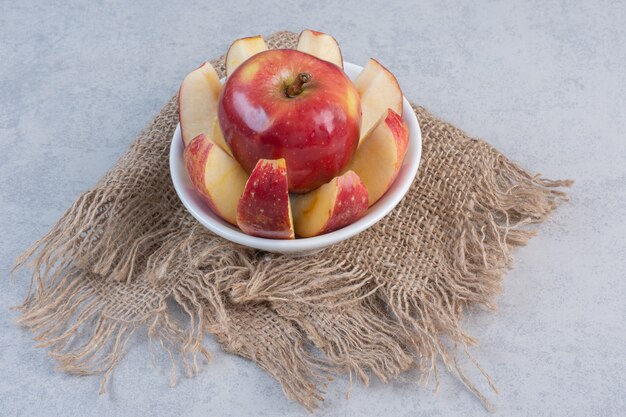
195	157
351	202
317	131
263	208
380	155
401	134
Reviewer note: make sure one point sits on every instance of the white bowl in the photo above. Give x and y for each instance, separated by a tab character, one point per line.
303	246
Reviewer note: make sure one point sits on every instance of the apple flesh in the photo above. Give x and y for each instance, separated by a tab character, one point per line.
264	208
330	207
320	45
217	178
379	91
197	102
241	50
218	137
287	104
379	157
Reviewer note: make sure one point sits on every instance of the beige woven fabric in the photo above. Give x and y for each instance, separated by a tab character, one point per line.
378	304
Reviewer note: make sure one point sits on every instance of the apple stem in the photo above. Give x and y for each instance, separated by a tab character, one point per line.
295	88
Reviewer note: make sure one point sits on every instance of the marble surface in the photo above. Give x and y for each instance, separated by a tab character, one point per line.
542	81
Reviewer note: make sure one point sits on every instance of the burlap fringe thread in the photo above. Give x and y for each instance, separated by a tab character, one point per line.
380	304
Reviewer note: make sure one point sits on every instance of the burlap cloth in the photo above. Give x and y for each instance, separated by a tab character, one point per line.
127	253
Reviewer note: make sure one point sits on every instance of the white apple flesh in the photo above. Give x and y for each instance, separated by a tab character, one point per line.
379	91
320	45
217	178
332	206
241	50
197	102
379	157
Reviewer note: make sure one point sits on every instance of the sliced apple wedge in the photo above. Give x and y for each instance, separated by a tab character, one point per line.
218	179
320	45
264	208
241	50
379	157
332	206
197	102
379	91
218	137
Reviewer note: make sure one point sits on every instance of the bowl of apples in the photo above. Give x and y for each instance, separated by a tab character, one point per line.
294	150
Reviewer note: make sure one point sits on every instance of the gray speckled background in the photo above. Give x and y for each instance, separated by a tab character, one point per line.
542	81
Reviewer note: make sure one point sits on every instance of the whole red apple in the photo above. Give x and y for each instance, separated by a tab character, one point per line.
288	104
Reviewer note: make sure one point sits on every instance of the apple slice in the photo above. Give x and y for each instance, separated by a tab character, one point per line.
218	179
320	45
330	207
197	102
241	50
379	91
218	137
379	157
264	208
